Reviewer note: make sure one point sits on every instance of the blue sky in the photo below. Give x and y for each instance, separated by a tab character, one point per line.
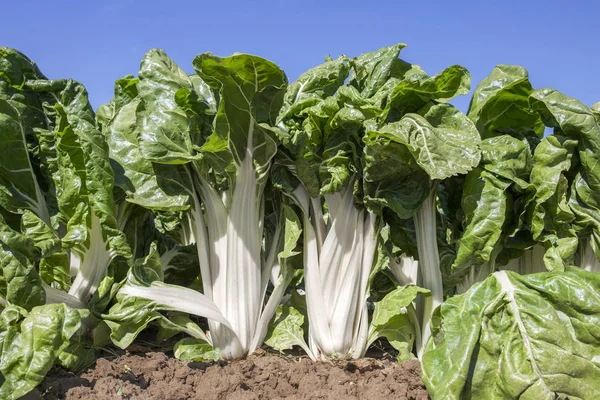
98	42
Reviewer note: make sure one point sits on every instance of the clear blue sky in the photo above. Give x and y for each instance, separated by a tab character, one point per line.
96	42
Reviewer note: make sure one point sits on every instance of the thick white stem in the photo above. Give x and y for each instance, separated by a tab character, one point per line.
406	271
429	263
56	296
93	262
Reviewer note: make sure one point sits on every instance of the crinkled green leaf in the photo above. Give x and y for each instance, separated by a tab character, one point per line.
391	320
195	350
549	212
147	184
391	177
251	91
20	283
500	104
371	70
487	201
417	89
577	122
16	240
512	336
40	233
314	85
19	187
487	207
175	324
167	134
31	342
285	330
341	149
442	141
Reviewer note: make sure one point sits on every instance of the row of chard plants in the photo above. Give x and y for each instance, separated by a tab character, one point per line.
353	205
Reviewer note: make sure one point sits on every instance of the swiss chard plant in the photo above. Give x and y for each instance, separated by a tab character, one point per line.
353	205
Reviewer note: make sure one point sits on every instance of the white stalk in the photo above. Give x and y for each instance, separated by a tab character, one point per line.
406	271
57	296
178	298
92	262
337	275
429	263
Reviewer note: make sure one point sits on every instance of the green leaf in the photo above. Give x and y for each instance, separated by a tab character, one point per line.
488	202
251	91
168	133
391	320
30	343
19	188
549	213
20	283
418	89
577	122
195	350
500	104
314	85
488	210
175	324
154	186
391	176
442	141
285	330
371	70
512	336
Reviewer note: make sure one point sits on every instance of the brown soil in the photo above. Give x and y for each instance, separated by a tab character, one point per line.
261	376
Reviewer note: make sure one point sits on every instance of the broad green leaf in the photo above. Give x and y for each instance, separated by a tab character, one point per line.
41	234
293	230
20	283
442	141
488	201
341	142
313	86
31	342
55	268
577	122
488	210
128	318
391	320
371	70
391	177
175	324
596	110
195	350
549	213
418	89
251	91
19	188
154	186
500	104
285	331
16	240
512	336
125	91
168	134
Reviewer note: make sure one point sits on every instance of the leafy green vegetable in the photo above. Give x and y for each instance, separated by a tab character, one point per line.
31	342
512	336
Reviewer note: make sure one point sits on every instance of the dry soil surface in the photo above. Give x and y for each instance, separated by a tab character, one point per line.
261	376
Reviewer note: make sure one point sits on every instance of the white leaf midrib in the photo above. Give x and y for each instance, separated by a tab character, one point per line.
509	290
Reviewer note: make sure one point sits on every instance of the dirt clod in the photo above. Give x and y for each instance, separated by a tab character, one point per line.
262	376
